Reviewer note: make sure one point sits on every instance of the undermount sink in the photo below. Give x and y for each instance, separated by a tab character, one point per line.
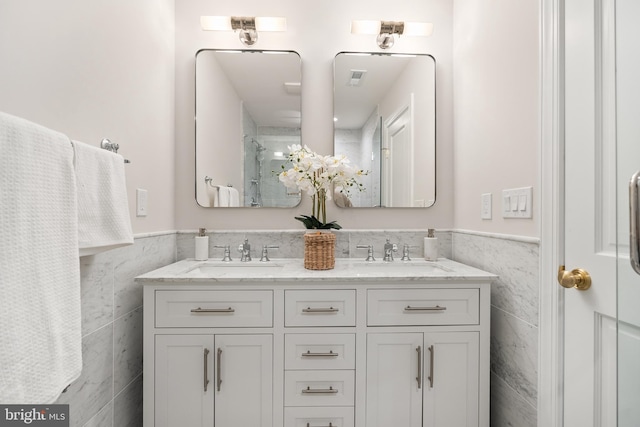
220	267
423	266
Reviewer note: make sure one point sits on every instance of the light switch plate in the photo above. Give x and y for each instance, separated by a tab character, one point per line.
516	202
485	206
141	202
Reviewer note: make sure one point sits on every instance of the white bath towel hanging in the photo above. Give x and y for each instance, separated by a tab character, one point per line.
212	193
103	210
223	196
40	331
234	197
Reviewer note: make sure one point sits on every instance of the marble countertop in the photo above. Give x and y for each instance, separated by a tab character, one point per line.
292	269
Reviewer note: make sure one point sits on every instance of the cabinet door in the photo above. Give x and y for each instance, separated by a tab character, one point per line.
451	379
184	380
244	381
394	380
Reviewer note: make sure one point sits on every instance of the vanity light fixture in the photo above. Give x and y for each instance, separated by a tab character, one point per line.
386	30
247	26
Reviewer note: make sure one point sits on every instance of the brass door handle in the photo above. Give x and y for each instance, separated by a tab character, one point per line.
576	278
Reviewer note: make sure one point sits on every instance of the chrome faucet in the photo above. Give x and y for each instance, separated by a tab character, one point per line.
245	251
265	253
405	252
389	249
369	249
227	252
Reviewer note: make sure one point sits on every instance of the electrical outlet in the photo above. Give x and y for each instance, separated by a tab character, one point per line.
141	202
485	208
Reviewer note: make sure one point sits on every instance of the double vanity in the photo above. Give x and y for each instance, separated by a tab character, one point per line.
270	344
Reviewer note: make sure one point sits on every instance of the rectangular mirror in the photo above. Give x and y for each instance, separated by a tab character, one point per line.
247	113
385	122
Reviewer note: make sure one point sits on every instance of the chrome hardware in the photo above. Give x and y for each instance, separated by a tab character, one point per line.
106	144
432	357
634	243
219	368
265	254
405	252
310	390
576	278
206	369
320	310
369	249
436	308
330	425
227	252
245	250
419	377
213	310
389	249
309	354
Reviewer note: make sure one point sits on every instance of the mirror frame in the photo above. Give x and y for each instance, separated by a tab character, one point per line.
431	134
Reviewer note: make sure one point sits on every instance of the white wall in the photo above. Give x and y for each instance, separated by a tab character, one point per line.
98	69
318	31
496	106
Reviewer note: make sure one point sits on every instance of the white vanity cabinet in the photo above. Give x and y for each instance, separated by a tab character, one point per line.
316	349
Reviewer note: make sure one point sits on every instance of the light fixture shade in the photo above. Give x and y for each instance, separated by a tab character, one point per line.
365	27
270	23
417	29
215	23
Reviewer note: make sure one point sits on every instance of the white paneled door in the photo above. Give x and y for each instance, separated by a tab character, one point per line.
590	214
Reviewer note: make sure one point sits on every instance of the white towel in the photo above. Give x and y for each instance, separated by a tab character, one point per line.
224	196
103	210
212	192
234	197
40	331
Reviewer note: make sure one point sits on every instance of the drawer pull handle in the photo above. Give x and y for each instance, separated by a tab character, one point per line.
419	377
330	425
320	310
436	308
432	350
310	390
219	368
206	369
309	354
213	310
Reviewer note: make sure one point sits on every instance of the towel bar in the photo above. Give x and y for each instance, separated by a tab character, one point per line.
111	146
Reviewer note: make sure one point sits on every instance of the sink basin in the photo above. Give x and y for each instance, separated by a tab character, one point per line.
417	265
232	268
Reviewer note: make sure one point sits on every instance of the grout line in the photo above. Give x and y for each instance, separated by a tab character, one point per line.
514	316
516	392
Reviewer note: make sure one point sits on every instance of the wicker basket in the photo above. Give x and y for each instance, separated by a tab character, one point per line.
319	251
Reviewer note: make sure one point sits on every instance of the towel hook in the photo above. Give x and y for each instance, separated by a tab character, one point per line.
111	146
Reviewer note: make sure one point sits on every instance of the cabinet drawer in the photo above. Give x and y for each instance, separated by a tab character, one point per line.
214	309
319	417
320	351
319	388
414	307
320	307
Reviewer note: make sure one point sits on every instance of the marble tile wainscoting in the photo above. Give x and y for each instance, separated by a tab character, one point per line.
109	390
514	320
291	243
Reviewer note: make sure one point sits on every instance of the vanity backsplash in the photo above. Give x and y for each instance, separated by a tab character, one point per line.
291	244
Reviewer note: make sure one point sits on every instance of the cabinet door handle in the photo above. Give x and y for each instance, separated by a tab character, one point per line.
213	310
432	357
436	308
206	369
330	425
310	390
320	310
219	368
330	354
419	377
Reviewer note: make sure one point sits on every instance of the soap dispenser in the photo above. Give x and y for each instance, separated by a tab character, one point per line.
202	245
431	246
